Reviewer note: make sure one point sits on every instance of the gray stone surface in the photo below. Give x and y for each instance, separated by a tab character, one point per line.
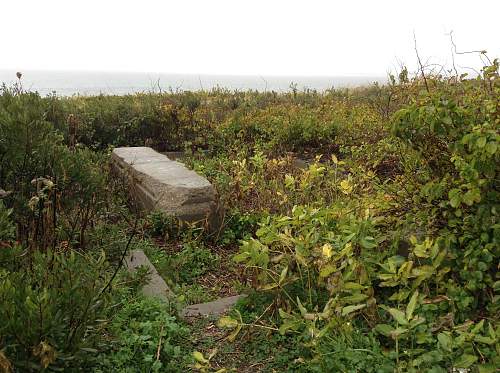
156	287
159	183
300	163
215	308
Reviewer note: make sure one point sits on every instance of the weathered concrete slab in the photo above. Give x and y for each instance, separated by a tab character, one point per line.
300	163
215	308
159	183
156	287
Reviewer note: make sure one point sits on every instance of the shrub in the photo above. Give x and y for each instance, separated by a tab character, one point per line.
433	306
281	128
52	307
456	130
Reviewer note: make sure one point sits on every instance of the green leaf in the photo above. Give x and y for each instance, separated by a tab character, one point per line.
327	270
491	147
88	349
384	329
398	332
349	309
268	286
465	361
410	308
455	197
478	327
481	142
420	251
487	368
473	195
355	298
241	257
422	273
491	331
231	323
283	275
302	309
445	341
231	337
484	340
353	286
368	242
292	324
398	315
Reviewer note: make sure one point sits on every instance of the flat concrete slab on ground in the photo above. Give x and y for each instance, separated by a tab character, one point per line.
215	308
156	286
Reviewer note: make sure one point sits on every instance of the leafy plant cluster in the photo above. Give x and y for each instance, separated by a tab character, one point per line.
146	339
53	307
59	290
365	219
411	260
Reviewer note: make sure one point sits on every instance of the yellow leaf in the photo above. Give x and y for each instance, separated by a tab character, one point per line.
198	356
227	322
327	250
346	186
46	353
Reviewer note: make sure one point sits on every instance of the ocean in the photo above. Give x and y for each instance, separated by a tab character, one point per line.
68	83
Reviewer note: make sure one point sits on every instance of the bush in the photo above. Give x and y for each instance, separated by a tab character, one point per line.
52	306
434	304
281	128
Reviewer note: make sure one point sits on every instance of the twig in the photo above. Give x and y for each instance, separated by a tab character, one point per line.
481	53
258	319
453	51
420	63
159	345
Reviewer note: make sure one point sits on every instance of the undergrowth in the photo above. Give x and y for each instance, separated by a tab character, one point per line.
363	223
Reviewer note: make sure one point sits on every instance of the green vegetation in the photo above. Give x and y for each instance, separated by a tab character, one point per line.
362	223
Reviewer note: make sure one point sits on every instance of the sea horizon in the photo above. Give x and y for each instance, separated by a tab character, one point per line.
69	83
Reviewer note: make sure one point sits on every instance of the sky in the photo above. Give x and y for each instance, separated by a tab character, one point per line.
251	37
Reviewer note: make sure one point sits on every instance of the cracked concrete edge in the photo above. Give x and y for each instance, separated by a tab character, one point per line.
156	286
215	308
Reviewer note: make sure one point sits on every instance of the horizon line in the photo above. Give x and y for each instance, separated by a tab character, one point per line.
340	75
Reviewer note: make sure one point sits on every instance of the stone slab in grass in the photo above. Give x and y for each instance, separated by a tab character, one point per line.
215	308
158	183
156	287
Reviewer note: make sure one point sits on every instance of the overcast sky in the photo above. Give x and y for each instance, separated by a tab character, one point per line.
263	37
